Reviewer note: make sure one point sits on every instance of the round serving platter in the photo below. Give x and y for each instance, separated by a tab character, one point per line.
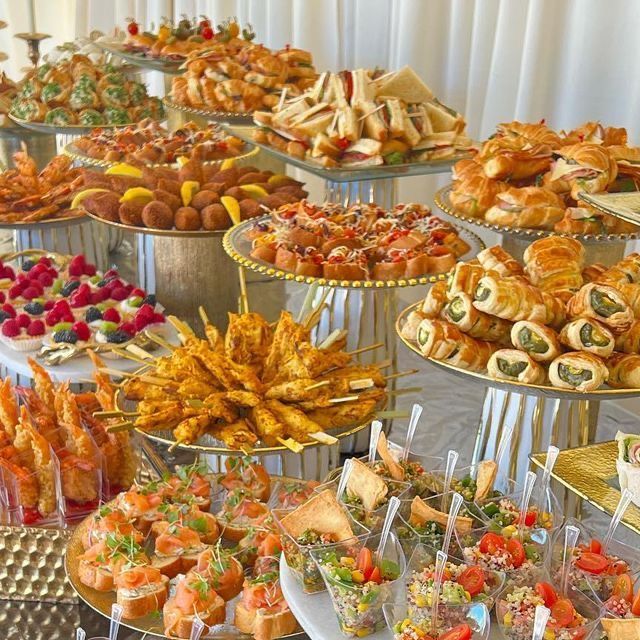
151	624
48	223
73	152
238	247
231	117
443	202
70	129
546	391
164	65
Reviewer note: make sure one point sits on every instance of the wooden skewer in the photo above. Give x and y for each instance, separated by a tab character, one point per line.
371	347
308	301
323	438
317	385
140	352
361	384
405	391
129	356
392	414
154	337
343	399
181	326
114	413
116	373
400	374
203	315
120	426
244	298
291	444
383	364
315	313
336	334
173	446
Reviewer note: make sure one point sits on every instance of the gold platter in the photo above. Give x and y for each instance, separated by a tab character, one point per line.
50	223
69	129
75	153
443	202
546	391
238	248
151	624
588	471
232	117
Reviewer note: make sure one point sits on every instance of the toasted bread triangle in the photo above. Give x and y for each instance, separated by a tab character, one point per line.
366	485
487	471
622	629
422	512
395	470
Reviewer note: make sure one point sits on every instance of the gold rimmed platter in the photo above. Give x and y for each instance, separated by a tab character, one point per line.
590	472
165	65
73	152
69	129
152	624
66	219
230	117
238	247
442	200
546	391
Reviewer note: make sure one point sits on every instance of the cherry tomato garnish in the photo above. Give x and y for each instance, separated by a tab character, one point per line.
364	560
206	33
592	562
515	548
472	580
459	632
491	542
133	28
595	546
623	587
376	576
547	593
563	612
635	607
529	518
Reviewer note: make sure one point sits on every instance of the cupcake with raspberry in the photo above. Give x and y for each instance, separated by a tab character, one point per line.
75	333
130	305
7	312
22	333
146	318
81	269
115	335
43	271
59	312
24	290
36	308
7	275
80	300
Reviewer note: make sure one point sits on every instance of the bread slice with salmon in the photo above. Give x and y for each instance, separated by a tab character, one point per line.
141	590
177	550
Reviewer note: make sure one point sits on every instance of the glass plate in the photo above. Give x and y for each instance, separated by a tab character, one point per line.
171	67
350	175
443	202
238	248
70	129
547	391
226	117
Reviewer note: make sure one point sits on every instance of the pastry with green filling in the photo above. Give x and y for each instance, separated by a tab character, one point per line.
587	334
511	364
538	340
603	303
578	370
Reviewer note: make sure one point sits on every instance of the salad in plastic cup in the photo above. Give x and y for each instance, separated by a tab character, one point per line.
592	571
431	533
461	584
297	550
442	501
288	494
521	560
360	584
573	617
463	622
467	482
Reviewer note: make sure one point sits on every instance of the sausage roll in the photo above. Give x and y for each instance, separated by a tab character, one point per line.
461	312
578	370
435	300
554	264
497	259
539	341
509	298
624	371
629	341
603	303
511	364
586	334
593	272
464	279
441	340
623	272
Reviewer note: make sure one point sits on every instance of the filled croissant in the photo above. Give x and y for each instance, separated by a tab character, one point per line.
461	312
624	371
602	303
464	278
526	207
578	370
473	196
539	341
512	364
623	272
587	334
497	259
435	300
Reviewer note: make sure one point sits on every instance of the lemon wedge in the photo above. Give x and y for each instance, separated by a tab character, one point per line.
227	164
187	190
232	207
254	190
124	169
182	160
81	195
137	193
279	179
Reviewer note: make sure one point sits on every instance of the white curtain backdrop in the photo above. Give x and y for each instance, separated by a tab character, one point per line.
493	60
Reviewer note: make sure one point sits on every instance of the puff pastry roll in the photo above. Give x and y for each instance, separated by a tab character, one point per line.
587	334
578	370
435	300
629	341
443	341
461	313
556	310
497	259
631	293
410	328
624	371
511	364
593	272
623	272
603	303
539	341
464	278
509	298
554	264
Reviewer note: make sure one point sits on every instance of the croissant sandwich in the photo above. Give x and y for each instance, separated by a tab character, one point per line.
539	341
511	364
582	220
586	334
526	207
578	370
602	303
513	158
475	195
465	169
535	133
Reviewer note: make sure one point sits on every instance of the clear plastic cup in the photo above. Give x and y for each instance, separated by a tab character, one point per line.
299	556
515	619
401	622
419	579
358	607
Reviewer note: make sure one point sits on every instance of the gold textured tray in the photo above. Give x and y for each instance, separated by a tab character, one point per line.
151	624
73	152
547	391
231	117
238	248
588	471
443	202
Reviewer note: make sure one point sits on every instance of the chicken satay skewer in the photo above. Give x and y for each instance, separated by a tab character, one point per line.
400	374
145	356
371	347
120	426
154	337
308	301
130	356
